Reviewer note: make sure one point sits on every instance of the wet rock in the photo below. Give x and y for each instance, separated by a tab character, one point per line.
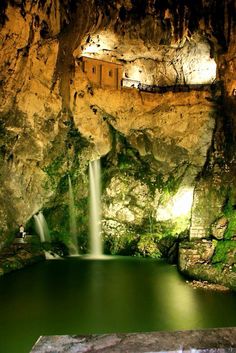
208	286
193	253
168	247
209	261
219	228
18	256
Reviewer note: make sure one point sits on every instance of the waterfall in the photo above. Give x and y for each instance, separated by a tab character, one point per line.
41	227
44	225
95	208
73	246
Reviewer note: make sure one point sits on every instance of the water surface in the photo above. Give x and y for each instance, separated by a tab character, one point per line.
81	296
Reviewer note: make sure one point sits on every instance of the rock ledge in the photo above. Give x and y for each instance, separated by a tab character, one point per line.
213	340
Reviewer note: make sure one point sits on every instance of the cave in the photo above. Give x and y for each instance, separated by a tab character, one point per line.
117	158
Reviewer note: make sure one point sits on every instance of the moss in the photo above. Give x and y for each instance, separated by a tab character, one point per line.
148	246
121	245
70	143
231	229
225	254
130	163
63	184
53	168
230	213
132	244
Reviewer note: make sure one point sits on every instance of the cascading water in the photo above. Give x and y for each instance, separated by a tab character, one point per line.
73	245
41	227
96	248
44	225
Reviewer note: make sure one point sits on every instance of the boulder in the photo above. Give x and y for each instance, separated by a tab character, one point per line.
219	227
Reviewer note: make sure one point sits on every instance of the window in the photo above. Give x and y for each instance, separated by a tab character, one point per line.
94	69
110	73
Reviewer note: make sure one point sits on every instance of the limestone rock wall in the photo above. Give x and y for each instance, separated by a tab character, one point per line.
171	133
53	121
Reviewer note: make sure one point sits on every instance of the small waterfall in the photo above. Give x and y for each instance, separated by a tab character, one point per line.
41	227
73	245
95	208
44	225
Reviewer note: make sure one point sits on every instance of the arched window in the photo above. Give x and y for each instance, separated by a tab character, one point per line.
94	69
110	72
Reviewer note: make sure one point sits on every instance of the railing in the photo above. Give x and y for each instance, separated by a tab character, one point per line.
129	83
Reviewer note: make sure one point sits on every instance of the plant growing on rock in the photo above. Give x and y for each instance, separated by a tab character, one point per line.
148	246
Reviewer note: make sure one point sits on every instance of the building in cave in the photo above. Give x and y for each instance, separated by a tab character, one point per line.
102	73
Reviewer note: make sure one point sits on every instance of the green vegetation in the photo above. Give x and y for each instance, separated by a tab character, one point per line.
230	213
63	185
148	246
53	168
225	254
10	264
124	159
144	245
121	244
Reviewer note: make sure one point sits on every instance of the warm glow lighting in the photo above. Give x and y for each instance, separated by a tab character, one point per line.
205	72
102	41
179	205
135	73
91	48
134	78
126	82
182	202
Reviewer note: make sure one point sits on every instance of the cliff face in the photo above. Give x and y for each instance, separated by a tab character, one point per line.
156	148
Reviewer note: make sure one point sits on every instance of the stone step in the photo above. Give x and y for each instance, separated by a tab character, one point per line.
193	341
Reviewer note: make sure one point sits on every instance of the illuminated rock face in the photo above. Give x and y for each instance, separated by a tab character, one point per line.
186	63
170	132
52	120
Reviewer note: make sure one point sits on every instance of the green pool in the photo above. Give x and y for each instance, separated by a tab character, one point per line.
117	294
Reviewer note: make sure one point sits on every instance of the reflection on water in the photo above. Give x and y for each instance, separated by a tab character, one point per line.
80	296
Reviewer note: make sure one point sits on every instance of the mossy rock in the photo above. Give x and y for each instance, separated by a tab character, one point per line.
229	213
168	247
148	246
225	254
121	245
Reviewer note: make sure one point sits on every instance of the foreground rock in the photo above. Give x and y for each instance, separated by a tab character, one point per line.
214	340
208	286
208	261
18	256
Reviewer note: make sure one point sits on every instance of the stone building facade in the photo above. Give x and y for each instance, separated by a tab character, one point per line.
102	73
